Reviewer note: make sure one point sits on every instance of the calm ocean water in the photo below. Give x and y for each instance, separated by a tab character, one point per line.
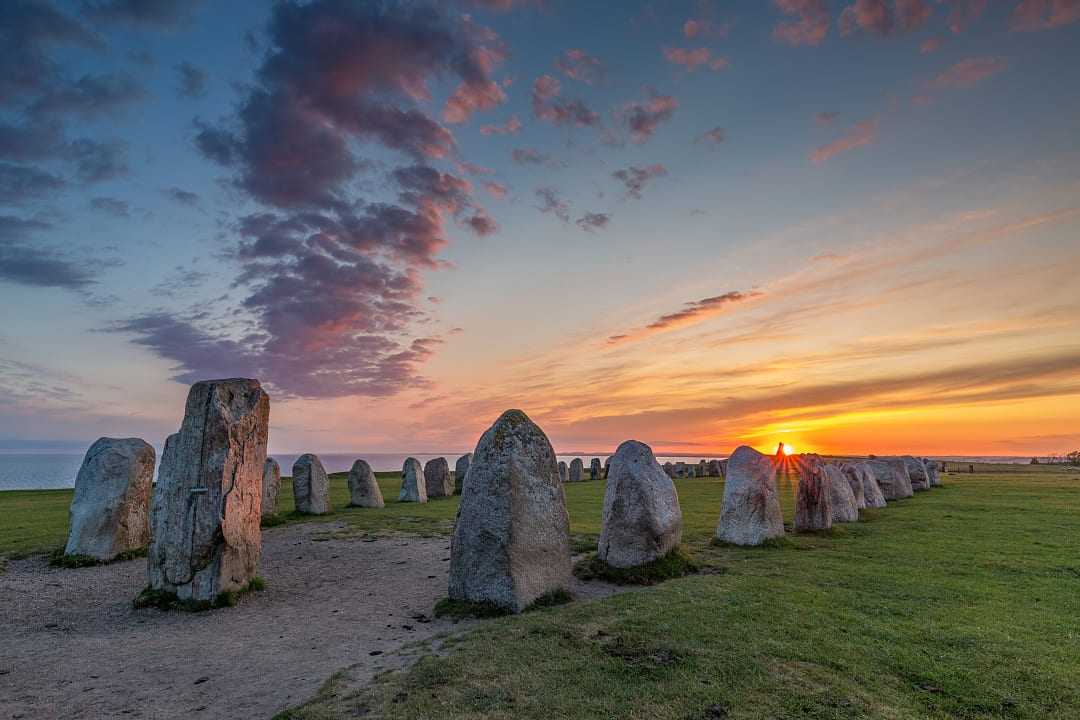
42	471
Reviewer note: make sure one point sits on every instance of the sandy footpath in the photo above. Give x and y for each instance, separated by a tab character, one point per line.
72	646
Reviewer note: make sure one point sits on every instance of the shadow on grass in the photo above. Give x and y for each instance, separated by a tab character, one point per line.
675	564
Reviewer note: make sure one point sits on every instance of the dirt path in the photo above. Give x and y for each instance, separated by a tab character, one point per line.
72	646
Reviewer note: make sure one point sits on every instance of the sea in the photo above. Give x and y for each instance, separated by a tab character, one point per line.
54	470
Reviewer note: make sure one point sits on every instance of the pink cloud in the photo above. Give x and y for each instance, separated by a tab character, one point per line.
964	13
969	72
699	27
510	127
930	45
578	65
643	118
690	314
546	105
859	135
809	26
496	190
1044	14
715	136
693	58
881	18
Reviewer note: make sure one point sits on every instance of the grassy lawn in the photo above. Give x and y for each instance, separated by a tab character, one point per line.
959	603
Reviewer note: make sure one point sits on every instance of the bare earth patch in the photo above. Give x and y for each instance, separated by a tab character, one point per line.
74	647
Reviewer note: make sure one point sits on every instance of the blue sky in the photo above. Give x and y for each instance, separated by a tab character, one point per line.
898	181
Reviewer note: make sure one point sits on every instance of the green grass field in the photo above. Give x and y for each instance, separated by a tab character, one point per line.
959	603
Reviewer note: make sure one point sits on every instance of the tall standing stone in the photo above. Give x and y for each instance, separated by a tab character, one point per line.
364	490
461	469
892	477
669	469
577	470
712	469
854	481
917	472
437	478
813	505
511	542
842	500
751	511
271	486
607	465
413	485
311	486
594	469
205	520
642	521
932	472
861	474
564	472
110	511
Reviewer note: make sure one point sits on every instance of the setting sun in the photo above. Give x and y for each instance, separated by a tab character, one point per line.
788	449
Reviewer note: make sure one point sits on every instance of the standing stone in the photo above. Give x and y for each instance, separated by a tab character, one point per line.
854	481
205	520
511	542
595	469
845	507
437	478
364	489
642	521
712	469
413	486
813	506
669	469
892	477
564	472
917	472
607	466
310	485
271	486
110	512
751	511
682	470
932	472
461	469
577	470
871	490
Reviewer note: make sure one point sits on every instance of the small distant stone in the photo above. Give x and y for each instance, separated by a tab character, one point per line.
437	478
271	486
364	489
311	486
594	469
577	470
461	469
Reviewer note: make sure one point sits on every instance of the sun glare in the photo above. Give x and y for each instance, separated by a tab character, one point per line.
789	449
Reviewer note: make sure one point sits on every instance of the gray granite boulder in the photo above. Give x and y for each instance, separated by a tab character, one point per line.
751	512
577	470
364	490
860	473
311	486
668	469
110	511
511	541
461	469
642	521
205	531
932	472
892	477
595	469
607	465
413	484
917	472
271	486
437	478
854	481
564	472
842	500
813	501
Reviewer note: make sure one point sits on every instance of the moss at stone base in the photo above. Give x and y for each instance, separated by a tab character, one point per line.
57	558
164	600
675	564
462	609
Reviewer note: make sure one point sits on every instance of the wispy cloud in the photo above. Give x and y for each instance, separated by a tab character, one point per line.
859	135
693	312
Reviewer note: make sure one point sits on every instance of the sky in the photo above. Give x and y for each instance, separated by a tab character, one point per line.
849	225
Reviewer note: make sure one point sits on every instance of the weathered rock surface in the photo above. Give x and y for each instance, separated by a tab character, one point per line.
595	469
932	472
564	472
577	470
854	481
461	469
364	490
712	469
607	465
845	507
813	501
437	478
668	469
311	486
917	472
751	511
642	521
859	473
682	470
205	520
271	486
110	511
511	542
413	485
892	477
